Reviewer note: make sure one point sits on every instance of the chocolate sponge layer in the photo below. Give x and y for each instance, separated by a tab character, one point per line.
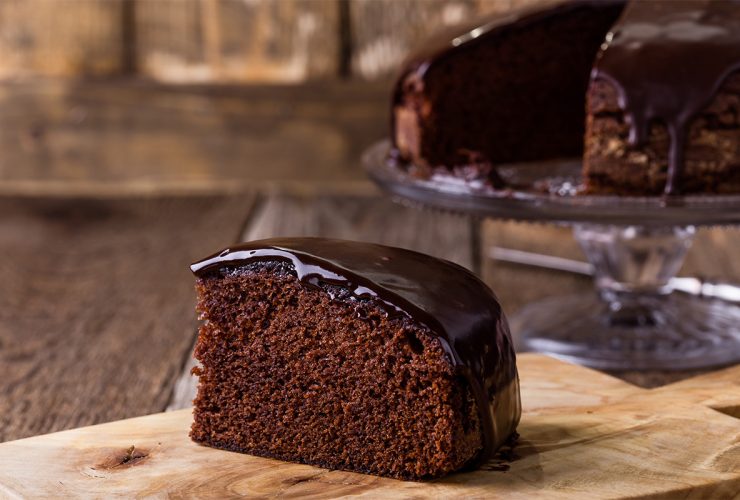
306	374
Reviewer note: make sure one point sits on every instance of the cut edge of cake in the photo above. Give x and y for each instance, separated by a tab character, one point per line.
444	434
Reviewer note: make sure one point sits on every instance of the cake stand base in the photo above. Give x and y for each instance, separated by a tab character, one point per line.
678	332
634	321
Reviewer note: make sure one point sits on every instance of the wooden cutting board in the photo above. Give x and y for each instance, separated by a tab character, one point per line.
583	434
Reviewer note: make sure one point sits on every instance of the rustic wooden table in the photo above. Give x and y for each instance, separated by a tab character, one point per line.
96	298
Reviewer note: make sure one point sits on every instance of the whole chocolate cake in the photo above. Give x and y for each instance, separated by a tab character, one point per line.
654	82
510	88
351	356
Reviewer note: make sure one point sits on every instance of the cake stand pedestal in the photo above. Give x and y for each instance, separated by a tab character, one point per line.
636	245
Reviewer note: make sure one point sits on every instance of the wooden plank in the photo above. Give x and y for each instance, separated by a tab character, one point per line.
121	133
236	41
385	31
367	218
82	38
719	390
351	217
570	386
581	441
96	303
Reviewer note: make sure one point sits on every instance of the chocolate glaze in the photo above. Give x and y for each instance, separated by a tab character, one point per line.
451	302
667	59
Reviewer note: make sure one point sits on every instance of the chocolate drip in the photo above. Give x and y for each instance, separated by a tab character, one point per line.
667	59
450	301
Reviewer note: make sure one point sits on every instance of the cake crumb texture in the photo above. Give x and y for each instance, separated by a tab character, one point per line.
308	374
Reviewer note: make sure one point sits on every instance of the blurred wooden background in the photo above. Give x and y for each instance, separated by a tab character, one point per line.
136	129
220	41
115	93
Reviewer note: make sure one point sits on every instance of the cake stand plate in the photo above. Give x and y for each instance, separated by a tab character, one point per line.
636	245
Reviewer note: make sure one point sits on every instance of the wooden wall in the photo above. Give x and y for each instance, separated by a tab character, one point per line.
104	94
228	41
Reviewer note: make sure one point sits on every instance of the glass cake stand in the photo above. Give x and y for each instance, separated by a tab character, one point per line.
635	245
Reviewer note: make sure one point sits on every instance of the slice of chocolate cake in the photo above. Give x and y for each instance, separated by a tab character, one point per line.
664	102
510	88
351	356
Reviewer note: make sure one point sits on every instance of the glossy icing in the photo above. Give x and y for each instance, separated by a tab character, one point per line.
449	300
667	59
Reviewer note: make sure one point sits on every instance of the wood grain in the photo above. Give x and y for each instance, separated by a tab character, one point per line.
119	133
582	441
96	303
719	390
67	38
222	41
